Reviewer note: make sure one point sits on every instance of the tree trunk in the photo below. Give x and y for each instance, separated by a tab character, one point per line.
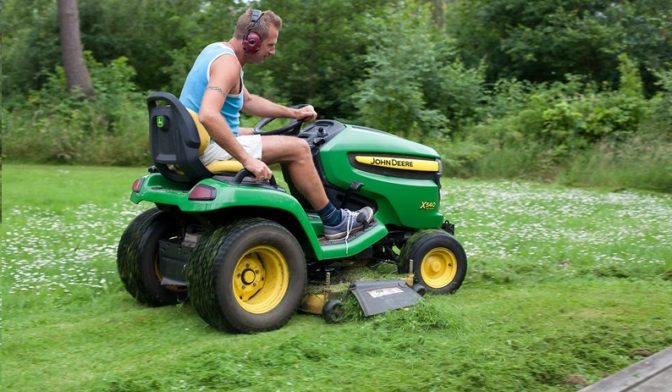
76	73
438	13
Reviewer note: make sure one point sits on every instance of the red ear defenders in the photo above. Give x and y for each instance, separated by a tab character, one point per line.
252	40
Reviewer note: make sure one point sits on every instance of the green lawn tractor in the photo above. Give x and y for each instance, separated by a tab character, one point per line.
241	251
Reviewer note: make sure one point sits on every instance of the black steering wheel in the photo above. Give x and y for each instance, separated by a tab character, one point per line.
292	129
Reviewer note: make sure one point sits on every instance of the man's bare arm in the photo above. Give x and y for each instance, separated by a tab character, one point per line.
224	76
262	107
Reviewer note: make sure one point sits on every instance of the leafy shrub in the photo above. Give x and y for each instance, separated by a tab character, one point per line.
56	126
392	97
570	116
416	85
536	130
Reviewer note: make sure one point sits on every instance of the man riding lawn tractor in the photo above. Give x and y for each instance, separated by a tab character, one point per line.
224	233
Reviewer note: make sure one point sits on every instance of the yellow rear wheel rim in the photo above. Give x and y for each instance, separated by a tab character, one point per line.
438	268
260	279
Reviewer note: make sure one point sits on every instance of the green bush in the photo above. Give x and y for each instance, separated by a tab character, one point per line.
536	131
392	97
566	117
53	125
642	160
416	84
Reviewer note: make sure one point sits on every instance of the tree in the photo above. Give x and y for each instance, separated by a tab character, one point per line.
30	45
76	73
544	40
392	96
416	85
160	38
321	51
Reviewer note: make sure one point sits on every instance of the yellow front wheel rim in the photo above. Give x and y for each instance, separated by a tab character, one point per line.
260	279
438	268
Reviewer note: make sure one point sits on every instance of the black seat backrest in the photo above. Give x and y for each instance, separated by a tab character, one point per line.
174	139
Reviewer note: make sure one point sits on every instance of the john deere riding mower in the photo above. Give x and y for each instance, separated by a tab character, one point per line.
241	251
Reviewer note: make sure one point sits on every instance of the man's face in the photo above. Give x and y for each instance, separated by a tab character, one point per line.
267	46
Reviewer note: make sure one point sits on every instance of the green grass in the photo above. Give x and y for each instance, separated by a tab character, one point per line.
564	286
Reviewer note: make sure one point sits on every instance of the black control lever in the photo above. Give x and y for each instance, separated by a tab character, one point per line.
240	176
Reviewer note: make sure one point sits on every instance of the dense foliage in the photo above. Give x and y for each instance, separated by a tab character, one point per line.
571	90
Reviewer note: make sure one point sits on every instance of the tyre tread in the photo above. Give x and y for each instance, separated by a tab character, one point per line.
203	268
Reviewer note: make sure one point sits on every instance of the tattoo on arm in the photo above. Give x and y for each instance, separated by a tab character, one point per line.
217	89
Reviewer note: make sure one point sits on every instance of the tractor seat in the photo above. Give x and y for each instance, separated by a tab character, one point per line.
177	140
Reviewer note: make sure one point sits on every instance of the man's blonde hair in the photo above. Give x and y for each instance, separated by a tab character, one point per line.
263	25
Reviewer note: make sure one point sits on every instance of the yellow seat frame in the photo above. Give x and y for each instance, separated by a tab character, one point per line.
227	166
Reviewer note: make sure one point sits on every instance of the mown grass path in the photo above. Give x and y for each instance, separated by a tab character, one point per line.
564	286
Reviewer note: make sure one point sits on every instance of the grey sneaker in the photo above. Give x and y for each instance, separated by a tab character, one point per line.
353	221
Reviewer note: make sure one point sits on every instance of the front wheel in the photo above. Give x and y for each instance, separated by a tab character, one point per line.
248	276
439	261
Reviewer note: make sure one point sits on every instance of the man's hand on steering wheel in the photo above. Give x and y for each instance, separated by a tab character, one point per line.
298	114
305	113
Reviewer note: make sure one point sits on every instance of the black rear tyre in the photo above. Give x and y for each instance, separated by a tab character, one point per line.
248	276
138	258
439	261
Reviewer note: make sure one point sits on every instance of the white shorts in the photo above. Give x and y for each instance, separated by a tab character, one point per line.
213	152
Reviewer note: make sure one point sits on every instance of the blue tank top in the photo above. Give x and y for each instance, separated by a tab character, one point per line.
197	80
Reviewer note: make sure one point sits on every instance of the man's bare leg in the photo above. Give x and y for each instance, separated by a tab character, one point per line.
295	153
